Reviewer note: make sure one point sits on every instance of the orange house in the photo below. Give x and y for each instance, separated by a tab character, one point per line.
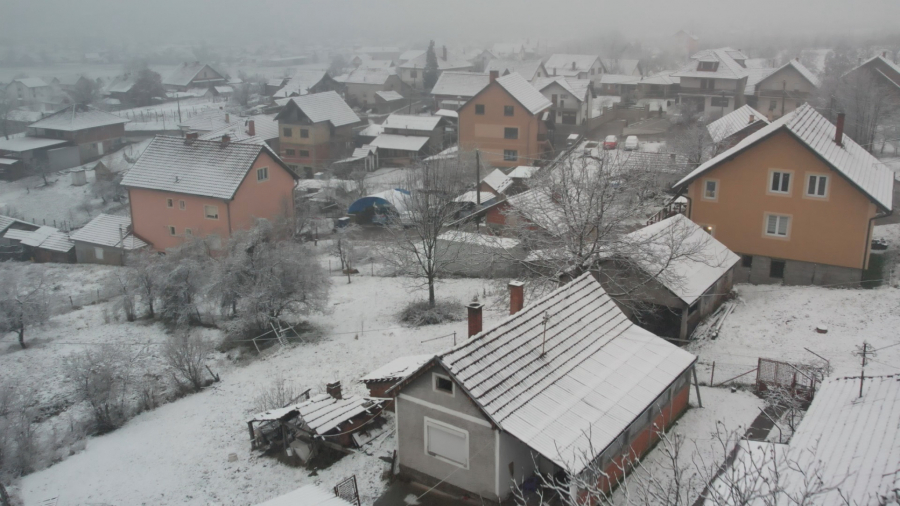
183	188
796	200
505	122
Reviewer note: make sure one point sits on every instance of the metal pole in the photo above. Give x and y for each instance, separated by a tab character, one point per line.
697	386
477	178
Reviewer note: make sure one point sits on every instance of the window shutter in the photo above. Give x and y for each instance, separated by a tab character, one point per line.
448	444
772	225
782	225
785	181
811	189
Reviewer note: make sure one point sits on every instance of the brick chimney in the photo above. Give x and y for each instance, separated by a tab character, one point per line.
225	140
251	128
444	52
839	130
334	390
752	119
516	296
227	118
494	75
474	318
884	54
191	136
573	65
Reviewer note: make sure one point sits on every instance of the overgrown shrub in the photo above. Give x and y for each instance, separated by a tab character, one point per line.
103	376
277	394
420	313
185	353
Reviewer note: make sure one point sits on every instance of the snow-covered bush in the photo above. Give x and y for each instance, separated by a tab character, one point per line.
185	354
422	313
105	378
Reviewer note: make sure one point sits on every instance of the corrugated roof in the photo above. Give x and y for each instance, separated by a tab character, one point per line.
411	122
309	495
564	62
109	230
683	257
526	94
397	369
323	413
326	106
862	169
47	238
460	84
198	167
734	122
8	221
568	387
78	117
400	142
300	83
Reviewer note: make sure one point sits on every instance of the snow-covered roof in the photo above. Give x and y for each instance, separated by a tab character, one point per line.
619	79
571	62
879	59
109	230
526	68
388	96
577	87
32	82
8	221
224	89
400	142
308	495
410	54
300	83
17	234
662	79
326	106
523	172
473	196
397	369
48	238
862	169
78	117
186	72
572	389
376	64
366	76
24	143
693	260
727	68
199	167
754	77
446	154
24	116
447	113
264	125
323	413
526	94
373	130
498	181
412	122
9	161
620	65
460	84
358	154
734	122
800	68
482	240
208	121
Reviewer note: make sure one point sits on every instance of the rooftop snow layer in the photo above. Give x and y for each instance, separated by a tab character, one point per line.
734	122
400	142
526	94
326	106
308	495
460	84
411	122
109	230
78	117
397	369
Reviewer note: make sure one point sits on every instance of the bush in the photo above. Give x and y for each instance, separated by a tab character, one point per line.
278	394
420	313
104	378
185	353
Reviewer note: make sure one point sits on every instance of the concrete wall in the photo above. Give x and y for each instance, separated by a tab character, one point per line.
796	273
458	411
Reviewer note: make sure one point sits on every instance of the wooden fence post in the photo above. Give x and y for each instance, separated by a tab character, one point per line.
712	373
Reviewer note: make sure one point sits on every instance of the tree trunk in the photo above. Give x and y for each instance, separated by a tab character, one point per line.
431	292
21	331
150	304
4	497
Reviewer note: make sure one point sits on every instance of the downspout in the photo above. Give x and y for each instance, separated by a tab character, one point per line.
228	213
868	243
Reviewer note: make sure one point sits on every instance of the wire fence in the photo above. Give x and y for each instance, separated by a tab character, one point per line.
718	373
61	303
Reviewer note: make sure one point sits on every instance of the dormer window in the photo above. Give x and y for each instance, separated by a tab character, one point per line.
708	66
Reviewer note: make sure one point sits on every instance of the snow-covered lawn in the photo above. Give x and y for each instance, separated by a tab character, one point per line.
178	453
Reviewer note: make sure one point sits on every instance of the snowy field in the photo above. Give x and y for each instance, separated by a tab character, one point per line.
164	117
93	70
178	453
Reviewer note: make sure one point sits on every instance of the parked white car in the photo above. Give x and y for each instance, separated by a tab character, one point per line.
631	143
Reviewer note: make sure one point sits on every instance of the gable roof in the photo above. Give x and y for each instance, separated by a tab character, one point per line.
570	389
410	54
78	117
734	122
460	84
526	94
199	167
812	129
300	83
571	62
121	84
756	76
8	221
579	88
109	230
526	68
799	67
32	82
326	106
893	68
366	76
186	72
699	263
412	122
728	68
498	181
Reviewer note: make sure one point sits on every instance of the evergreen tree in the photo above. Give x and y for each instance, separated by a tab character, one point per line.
430	76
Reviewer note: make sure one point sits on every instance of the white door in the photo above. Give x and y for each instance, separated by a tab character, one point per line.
100	148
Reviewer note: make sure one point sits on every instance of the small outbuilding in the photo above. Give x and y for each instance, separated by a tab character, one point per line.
46	244
388	375
380	204
106	239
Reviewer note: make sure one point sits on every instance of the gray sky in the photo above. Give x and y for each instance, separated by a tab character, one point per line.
454	21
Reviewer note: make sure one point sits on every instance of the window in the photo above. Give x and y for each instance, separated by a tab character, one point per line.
817	186
508	110
262	174
718	102
510	155
182	205
708	66
781	182
304	153
211	212
171	230
777	225
773	104
776	269
479	109
707	84
442	383
304	133
510	133
447	443
711	189
170	203
746	261
287	132
98	253
553	98
290	152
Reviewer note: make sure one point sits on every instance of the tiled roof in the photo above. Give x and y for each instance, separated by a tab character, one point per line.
526	94
526	68
109	230
326	106
397	369
734	122
300	83
561	62
78	117
197	167
567	374
812	129
411	122
460	84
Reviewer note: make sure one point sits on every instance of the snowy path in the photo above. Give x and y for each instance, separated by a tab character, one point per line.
178	454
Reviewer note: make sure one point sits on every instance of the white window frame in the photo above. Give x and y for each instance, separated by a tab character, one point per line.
206	213
262	171
172	230
510	155
771	177
182	205
778	217
98	253
431	422
434	382
819	177
715	197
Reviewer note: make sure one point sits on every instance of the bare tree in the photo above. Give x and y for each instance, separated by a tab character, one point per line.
104	378
23	300
144	278
693	142
277	394
6	108
343	247
868	103
182	278
185	353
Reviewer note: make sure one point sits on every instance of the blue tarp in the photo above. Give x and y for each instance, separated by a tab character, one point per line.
388	199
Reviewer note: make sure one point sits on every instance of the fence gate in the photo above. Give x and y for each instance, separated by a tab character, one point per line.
347	490
774	374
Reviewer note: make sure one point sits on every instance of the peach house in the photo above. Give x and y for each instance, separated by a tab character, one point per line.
182	188
796	199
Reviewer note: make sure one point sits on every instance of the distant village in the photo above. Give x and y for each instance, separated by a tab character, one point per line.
452	275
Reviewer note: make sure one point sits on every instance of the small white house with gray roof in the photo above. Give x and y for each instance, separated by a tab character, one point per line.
107	239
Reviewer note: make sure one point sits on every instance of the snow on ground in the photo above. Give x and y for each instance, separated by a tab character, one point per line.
93	70
778	322
178	453
387	179
164	117
29	199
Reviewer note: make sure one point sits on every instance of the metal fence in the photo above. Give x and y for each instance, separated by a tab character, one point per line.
799	380
348	491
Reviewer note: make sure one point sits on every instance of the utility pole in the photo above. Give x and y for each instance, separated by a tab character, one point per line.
783	95
178	103
865	352
477	178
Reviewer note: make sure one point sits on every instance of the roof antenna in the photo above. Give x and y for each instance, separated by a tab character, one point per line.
544	340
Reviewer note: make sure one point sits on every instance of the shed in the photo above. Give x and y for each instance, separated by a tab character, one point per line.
386	376
479	255
79	177
46	244
106	239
